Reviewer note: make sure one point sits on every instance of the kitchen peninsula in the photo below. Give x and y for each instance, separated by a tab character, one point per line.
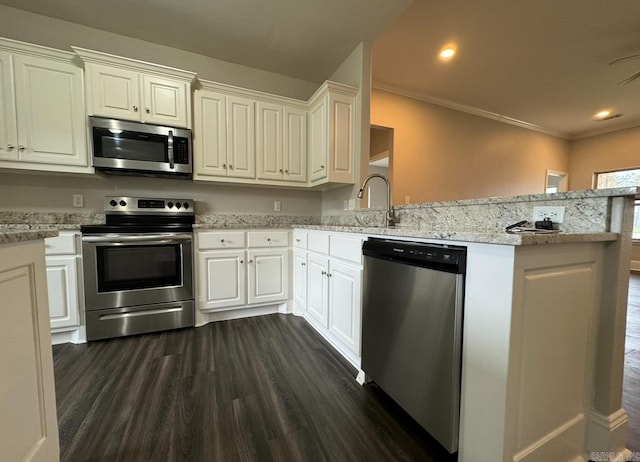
29	427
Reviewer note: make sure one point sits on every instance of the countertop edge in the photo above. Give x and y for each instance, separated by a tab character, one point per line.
25	235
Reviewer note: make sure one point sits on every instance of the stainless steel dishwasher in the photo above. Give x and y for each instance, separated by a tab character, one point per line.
412	329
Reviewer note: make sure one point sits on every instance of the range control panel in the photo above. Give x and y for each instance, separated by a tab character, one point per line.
146	205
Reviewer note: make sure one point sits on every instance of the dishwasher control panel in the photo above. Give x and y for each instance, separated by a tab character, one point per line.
445	257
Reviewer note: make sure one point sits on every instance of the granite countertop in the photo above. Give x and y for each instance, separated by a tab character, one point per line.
10	235
474	236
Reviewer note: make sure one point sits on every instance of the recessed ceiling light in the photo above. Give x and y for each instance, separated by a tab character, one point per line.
606	115
448	52
602	114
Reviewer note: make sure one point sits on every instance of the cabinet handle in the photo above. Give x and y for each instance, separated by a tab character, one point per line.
147	109
135	108
10	147
21	148
297	240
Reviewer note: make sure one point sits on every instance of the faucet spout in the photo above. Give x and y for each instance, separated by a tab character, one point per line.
390	215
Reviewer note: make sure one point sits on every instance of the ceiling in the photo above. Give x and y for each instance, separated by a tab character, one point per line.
542	64
306	39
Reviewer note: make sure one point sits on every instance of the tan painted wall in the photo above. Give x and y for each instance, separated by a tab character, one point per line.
441	154
602	153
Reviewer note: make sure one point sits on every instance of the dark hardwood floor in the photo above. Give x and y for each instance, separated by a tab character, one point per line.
631	391
265	389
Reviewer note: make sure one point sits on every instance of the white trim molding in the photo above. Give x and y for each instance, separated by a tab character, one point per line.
607	435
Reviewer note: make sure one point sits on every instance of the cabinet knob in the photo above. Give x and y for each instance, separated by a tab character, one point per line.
231	166
268	239
221	240
21	148
286	171
147	109
241	261
322	166
329	275
324	273
250	261
280	170
297	240
10	147
304	264
135	108
224	165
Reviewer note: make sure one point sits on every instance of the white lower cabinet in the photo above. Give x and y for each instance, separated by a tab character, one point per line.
238	269
64	284
331	297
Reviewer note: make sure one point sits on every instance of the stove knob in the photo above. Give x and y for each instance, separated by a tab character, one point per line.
178	204
185	205
123	203
113	203
170	204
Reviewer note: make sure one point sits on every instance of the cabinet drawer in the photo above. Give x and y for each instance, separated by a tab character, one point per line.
300	238
318	241
267	239
221	240
64	244
346	248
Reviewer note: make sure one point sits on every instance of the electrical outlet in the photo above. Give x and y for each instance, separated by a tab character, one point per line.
554	213
277	206
78	200
407	199
345	205
351	204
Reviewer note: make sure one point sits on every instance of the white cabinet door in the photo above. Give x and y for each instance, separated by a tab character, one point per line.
8	117
223	281
165	101
341	138
268	275
269	141
28	427
209	138
51	113
318	289
294	153
317	141
62	284
300	282
241	149
345	288
114	92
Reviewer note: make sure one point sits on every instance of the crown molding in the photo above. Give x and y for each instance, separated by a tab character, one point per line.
472	110
604	131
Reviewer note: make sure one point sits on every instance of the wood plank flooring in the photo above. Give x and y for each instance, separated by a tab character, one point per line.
257	389
631	390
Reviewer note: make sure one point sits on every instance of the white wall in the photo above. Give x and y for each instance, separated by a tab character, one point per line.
53	193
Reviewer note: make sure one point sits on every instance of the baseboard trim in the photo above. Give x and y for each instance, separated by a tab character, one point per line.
559	441
635	265
607	434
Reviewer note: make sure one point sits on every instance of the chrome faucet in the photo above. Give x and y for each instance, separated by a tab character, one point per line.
390	216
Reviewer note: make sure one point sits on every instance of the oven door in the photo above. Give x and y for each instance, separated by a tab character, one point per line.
123	270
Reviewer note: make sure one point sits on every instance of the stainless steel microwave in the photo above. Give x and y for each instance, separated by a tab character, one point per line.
134	148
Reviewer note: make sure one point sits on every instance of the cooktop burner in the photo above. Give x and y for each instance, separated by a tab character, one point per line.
125	214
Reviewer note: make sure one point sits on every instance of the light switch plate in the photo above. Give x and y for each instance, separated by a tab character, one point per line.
78	200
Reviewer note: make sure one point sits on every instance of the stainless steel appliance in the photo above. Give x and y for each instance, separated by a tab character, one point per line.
138	267
412	329
140	149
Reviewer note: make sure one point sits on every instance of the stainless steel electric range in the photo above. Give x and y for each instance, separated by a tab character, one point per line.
138	267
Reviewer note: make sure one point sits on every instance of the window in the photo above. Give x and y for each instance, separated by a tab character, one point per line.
621	179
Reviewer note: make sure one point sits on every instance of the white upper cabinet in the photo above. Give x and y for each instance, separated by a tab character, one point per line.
43	122
224	136
332	135
128	89
281	142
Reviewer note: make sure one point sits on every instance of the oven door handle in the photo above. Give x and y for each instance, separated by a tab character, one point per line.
145	239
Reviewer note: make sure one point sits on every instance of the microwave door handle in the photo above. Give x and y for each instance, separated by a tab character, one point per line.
170	149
